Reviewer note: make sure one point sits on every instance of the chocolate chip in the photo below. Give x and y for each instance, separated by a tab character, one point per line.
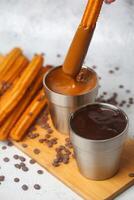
47	136
37	187
128	91
65	161
111	72
6	159
32	161
50	144
55	163
32	128
17	166
24	145
49	130
32	135
67	151
16	180
10	144
4	147
16	157
58	55
24	168
117	68
94	67
46	126
121	86
24	187
54	140
22	158
131	174
36	151
105	93
42	140
40	172
61	147
67	140
22	164
2	178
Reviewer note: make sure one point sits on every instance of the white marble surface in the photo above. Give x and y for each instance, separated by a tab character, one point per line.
48	26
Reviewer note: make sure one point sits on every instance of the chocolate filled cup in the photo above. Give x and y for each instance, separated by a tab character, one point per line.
98	132
61	105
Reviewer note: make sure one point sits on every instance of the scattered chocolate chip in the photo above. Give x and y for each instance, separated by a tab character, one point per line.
40	172
16	180
2	178
67	139
128	91
49	130
58	55
65	161
45	126
37	187
121	86
105	93
36	151
94	67
42	140
22	158
22	164
6	159
16	157
24	168
32	161
50	144
32	135
4	147
55	163
17	166
10	144
47	136
24	145
111	72
54	140
32	128
117	68
109	1
24	187
131	174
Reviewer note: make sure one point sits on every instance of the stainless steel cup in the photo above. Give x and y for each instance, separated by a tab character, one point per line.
61	106
98	159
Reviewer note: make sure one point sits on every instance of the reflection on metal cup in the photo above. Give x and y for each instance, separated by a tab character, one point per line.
98	159
61	106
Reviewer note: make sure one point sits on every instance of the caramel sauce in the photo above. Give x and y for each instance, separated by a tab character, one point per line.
62	83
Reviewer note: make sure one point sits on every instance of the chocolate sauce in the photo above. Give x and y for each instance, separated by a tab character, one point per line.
98	122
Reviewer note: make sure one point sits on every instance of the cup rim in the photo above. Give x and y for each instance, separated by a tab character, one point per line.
104	140
63	95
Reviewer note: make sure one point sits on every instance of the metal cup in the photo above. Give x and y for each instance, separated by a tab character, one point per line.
60	106
98	159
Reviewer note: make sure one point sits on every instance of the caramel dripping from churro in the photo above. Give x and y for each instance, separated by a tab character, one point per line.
79	46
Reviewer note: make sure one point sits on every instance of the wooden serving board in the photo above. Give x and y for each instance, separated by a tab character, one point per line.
69	174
